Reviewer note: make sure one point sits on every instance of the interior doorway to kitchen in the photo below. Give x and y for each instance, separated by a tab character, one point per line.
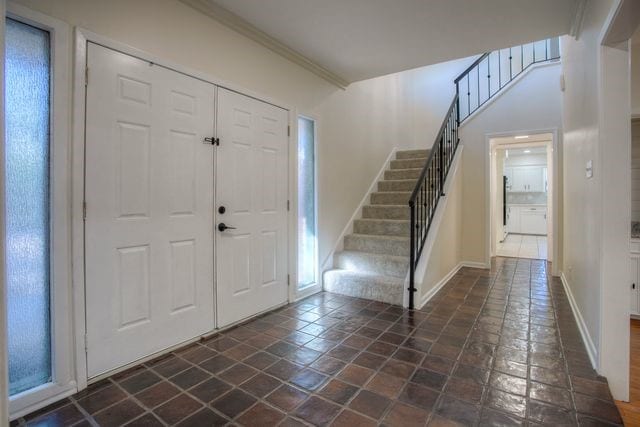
522	196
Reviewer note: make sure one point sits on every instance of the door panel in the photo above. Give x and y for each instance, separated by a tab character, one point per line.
149	193
252	186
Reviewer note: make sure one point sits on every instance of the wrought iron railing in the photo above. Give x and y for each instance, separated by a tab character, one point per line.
473	90
494	70
430	187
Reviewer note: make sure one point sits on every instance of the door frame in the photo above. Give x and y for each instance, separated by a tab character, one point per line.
61	334
555	196
82	38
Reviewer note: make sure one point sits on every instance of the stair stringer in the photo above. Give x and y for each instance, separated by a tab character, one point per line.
357	214
429	245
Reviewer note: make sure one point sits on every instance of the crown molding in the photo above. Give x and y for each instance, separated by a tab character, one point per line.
238	24
578	19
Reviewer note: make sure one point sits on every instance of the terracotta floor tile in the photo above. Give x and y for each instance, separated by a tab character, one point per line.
491	347
349	418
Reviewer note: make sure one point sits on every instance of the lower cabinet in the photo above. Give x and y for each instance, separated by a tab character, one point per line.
634	282
527	220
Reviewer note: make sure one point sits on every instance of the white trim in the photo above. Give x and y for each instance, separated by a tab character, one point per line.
508	86
82	38
348	229
307	291
474	264
578	19
582	326
243	27
60	268
553	239
438	216
431	293
4	365
294	209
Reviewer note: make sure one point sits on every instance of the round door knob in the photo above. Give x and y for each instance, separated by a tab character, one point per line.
222	209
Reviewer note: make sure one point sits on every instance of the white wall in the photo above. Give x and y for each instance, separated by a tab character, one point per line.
357	127
537	97
596	110
635	170
360	126
635	77
443	250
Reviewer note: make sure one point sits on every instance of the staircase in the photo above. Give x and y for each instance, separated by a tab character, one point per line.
375	259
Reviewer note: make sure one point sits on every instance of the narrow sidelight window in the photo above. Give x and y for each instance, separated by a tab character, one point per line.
307	226
27	101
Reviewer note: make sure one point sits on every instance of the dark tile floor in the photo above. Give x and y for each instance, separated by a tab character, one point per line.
494	347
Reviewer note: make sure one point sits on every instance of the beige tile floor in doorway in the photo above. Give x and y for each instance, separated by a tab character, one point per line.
523	246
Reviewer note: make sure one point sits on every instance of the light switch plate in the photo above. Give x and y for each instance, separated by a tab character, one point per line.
589	169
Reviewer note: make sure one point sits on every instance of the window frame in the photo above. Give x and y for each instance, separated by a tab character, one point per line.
63	382
303	291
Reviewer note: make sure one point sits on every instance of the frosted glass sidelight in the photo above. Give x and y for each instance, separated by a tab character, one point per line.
307	236
27	101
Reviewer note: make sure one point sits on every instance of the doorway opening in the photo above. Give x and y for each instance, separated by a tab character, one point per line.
521	196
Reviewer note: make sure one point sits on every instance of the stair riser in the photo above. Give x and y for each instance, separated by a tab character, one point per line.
402	174
411	154
408	163
386	212
376	245
407	185
390	198
362	288
363	262
381	228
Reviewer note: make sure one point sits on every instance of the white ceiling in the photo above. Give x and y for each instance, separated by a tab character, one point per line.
359	39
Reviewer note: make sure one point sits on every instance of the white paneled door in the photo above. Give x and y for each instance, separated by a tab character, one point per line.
149	190
251	188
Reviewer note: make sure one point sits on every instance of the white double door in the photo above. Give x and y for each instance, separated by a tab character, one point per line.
156	265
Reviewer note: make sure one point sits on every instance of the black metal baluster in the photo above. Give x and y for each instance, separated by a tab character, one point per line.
534	52
510	65
546	49
468	97
499	69
478	76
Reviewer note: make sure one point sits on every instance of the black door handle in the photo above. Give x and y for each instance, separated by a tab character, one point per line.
222	226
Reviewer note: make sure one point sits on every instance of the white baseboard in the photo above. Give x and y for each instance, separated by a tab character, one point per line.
475	264
348	229
582	326
425	299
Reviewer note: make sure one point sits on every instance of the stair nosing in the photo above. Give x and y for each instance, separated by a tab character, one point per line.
381	236
359	273
382	219
399	257
388	206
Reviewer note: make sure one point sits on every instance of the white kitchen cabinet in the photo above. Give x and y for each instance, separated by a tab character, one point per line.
533	220
523	179
527	220
513	220
634	282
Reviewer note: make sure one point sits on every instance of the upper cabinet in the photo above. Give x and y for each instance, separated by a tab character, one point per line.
524	179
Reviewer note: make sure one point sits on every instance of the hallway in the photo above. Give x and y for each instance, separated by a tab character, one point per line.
493	347
523	246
